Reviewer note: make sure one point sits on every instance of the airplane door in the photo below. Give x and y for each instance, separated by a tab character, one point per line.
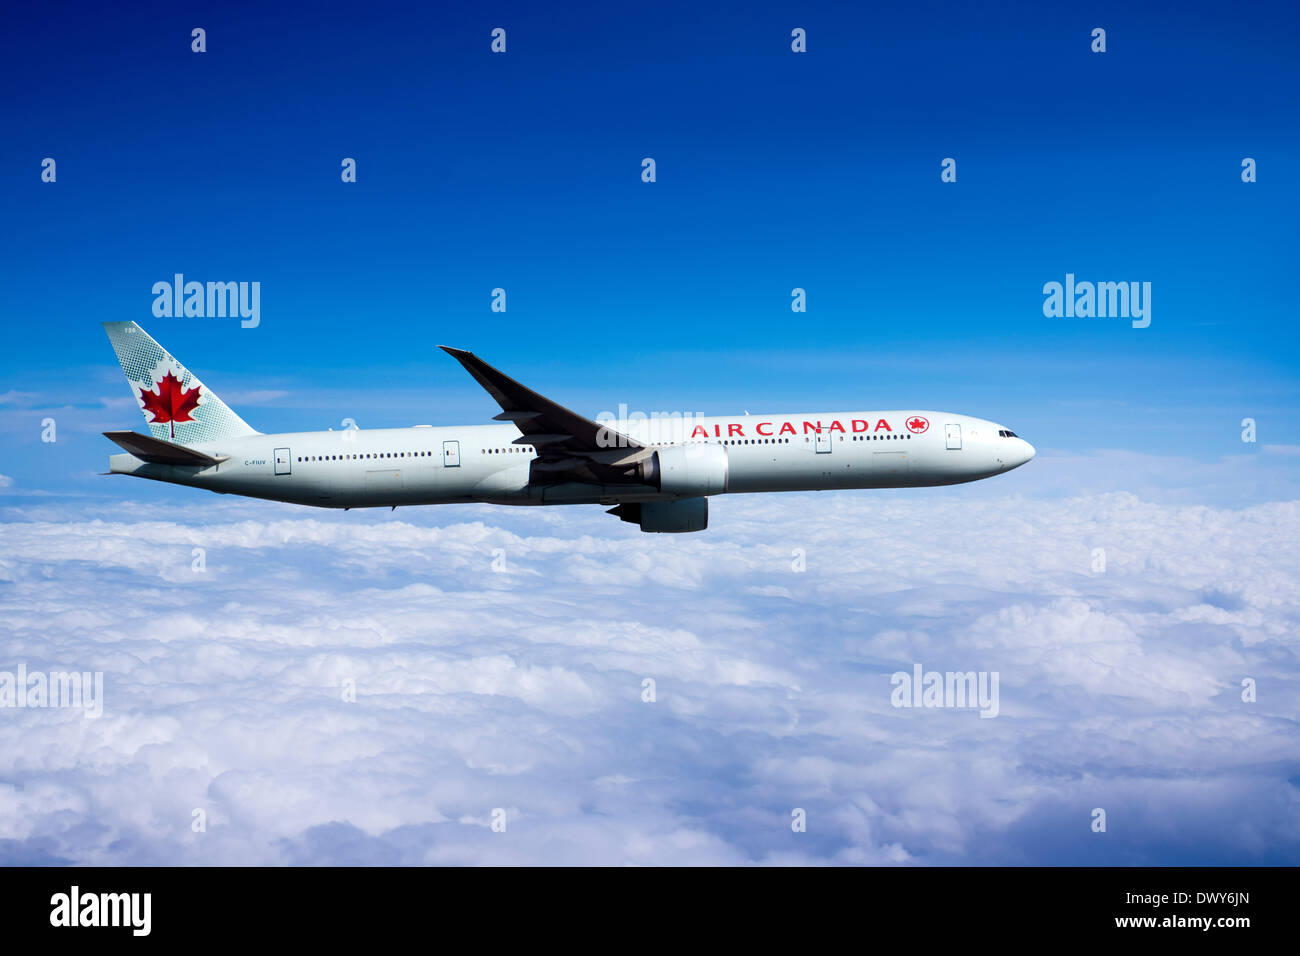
451	454
822	443
953	434
283	462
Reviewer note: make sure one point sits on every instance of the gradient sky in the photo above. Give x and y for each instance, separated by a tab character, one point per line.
775	170
519	687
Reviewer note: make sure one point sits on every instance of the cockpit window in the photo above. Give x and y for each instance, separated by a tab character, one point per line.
1003	433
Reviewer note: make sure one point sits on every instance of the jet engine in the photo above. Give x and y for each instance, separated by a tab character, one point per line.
671	517
686	469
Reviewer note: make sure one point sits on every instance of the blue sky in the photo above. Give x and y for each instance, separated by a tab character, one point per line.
775	170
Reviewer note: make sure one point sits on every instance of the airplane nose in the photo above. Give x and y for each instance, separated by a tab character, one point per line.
1028	451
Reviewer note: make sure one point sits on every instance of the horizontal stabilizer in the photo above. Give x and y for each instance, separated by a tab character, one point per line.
156	451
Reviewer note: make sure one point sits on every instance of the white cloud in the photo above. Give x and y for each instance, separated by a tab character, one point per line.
523	690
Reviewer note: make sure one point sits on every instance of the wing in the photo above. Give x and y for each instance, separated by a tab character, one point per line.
569	446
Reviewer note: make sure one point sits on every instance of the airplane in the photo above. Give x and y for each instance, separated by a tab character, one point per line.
658	473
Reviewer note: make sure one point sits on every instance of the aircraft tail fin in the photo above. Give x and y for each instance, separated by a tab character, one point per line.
176	405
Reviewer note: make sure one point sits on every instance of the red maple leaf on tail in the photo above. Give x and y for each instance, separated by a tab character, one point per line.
169	403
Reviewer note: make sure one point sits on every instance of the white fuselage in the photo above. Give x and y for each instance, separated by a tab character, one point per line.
483	463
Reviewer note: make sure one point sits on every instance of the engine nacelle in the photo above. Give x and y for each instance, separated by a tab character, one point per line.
687	469
667	517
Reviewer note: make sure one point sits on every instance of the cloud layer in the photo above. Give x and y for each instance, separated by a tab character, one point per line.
521	689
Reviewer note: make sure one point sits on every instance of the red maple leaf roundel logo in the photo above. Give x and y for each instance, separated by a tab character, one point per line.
917	425
170	404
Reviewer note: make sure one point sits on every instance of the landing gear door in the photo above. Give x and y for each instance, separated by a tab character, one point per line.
451	454
283	462
953	434
822	443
